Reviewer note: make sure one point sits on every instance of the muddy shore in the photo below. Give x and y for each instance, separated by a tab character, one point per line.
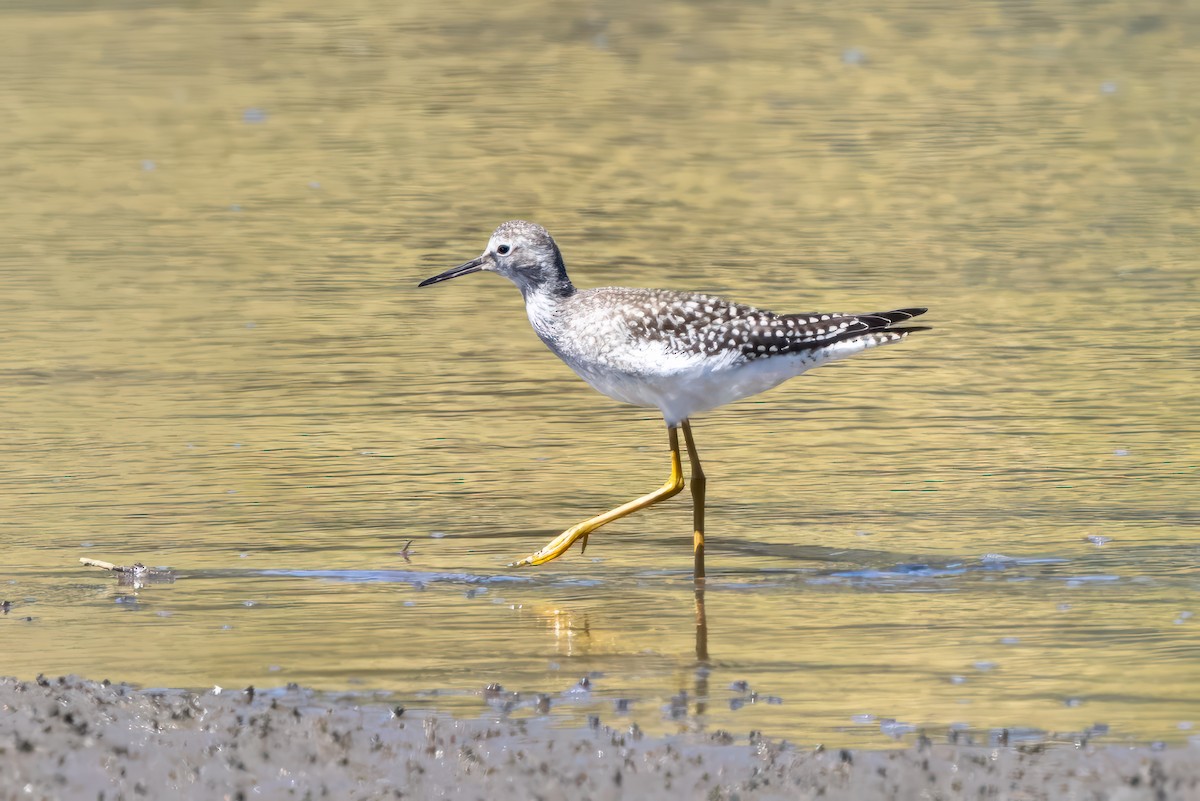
69	738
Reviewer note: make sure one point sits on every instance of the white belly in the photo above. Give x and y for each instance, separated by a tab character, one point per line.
682	385
680	394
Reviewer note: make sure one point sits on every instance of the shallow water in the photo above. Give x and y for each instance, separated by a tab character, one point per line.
215	358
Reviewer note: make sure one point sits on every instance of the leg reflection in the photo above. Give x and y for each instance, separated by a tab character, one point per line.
701	651
701	626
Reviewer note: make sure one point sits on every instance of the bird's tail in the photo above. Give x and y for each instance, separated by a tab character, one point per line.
854	333
884	325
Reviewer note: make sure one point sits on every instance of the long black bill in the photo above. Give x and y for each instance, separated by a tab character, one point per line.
473	266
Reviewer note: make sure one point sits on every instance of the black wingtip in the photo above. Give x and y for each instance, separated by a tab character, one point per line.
898	315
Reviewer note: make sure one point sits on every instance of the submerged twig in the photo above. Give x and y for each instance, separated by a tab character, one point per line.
137	572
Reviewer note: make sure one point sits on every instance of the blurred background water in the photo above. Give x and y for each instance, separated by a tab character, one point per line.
213	357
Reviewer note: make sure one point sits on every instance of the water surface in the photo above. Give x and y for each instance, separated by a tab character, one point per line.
214	357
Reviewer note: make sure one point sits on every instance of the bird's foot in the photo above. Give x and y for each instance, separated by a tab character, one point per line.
556	547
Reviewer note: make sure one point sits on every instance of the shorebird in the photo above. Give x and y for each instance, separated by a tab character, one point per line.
680	352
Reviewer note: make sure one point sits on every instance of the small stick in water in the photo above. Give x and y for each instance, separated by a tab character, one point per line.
137	571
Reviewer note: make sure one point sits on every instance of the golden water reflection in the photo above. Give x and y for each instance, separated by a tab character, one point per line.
215	357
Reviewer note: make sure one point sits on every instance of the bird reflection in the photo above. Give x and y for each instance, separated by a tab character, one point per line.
702	666
573	636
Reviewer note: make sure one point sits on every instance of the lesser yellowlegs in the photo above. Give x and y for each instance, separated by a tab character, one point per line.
680	352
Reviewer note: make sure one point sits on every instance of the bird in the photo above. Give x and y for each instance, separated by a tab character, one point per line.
680	352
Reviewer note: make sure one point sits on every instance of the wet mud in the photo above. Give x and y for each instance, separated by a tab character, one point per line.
70	738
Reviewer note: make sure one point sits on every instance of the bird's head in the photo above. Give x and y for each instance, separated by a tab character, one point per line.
523	252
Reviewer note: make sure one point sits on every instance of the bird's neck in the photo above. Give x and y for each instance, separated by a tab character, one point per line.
544	301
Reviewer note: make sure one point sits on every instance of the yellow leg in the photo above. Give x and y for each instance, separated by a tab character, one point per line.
698	484
559	545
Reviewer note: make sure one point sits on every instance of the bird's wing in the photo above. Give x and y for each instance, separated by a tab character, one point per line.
796	333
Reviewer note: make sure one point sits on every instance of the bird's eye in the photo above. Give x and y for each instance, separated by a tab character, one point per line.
503	249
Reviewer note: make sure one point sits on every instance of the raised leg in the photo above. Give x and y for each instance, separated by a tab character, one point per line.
559	545
698	486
